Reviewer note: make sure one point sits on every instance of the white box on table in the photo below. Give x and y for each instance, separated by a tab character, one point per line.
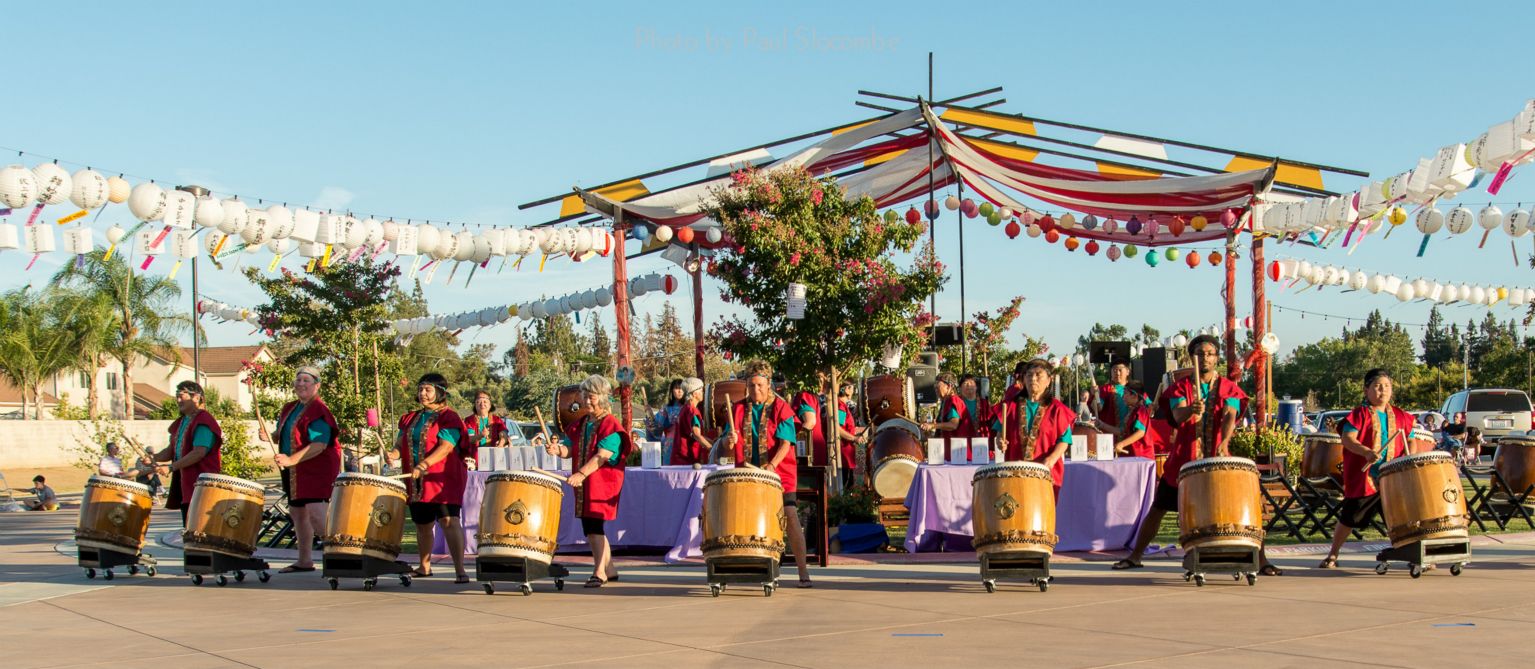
936	452
1103	447
958	452
1078	448
517	458
650	454
980	451
484	458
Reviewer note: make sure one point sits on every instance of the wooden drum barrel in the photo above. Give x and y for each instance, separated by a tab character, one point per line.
1219	504
1013	508
1323	456
1516	462
569	407
717	414
114	515
894	456
366	517
520	516
1422	498
887	396
743	514
225	516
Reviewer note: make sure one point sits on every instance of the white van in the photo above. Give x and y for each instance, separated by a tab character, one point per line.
1497	412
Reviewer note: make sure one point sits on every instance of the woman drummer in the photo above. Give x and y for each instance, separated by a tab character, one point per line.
485	429
1038	425
689	447
764	438
597	445
1373	433
428	449
309	453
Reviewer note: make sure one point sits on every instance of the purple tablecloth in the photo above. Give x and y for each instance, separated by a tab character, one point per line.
1101	505
658	507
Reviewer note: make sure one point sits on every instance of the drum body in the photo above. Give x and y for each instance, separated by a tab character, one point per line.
894	456
718	412
114	515
1219	504
1013	508
225	516
888	396
520	516
366	517
1322	457
1421	497
1516	462
569	407
743	514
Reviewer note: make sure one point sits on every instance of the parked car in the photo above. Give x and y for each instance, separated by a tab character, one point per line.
1497	412
1326	421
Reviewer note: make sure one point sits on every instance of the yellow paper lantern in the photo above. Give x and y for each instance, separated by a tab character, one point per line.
1397	216
1198	223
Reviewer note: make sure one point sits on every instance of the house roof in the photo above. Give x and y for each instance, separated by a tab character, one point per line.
219	360
147	398
11	395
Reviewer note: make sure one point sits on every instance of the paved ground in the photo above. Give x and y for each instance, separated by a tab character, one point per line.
858	615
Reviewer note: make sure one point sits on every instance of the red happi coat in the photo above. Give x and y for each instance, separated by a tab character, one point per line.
1054	420
495	428
776	412
444	482
1143	447
808	401
597	497
184	482
685	449
849	446
1356	481
1108	404
312	478
1189	430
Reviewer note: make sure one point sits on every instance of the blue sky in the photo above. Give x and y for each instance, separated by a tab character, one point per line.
461	111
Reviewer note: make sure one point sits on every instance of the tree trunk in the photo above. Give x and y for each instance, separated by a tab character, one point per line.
833	442
127	389
91	391
37	400
24	403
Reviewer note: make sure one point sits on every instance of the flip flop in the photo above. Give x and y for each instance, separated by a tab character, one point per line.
420	574
1270	570
461	579
805	583
1328	563
594	582
613	577
1126	563
292	569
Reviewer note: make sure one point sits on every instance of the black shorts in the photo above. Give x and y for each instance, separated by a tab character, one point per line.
424	513
590	526
287	491
1165	498
1359	512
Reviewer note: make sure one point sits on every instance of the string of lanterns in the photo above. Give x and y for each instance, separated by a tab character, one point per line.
1321	276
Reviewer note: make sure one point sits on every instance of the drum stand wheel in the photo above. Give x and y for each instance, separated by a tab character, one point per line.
336	567
199	564
723	571
1420	554
1239	561
104	560
1030	566
518	570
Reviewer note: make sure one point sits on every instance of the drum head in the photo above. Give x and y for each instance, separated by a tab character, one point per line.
911	428
108	481
892	478
358	477
215	479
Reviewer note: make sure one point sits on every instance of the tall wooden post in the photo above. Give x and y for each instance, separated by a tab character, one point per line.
1260	328
621	309
698	322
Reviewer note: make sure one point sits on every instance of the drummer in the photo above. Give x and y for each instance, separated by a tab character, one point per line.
597	445
1204	415
808	414
1038	425
764	437
485	429
955	420
195	439
852	435
1386	429
689	447
1111	404
427	448
977	407
1130	434
309	453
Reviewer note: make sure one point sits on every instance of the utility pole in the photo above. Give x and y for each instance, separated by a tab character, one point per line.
197	346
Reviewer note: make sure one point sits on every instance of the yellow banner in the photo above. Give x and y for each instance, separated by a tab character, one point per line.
983	119
621	192
1286	174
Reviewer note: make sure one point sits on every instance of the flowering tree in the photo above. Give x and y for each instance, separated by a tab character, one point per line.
788	226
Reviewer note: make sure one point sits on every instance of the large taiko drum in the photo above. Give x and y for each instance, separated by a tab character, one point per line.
520	516
718	411
366	517
225	516
1422	498
1013	508
894	455
1422	440
569	407
114	515
743	514
1515	460
1219	504
1322	457
888	396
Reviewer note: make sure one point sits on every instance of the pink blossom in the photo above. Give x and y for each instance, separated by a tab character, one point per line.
794	258
815	195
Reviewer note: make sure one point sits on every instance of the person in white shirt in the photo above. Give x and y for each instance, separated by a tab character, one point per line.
110	464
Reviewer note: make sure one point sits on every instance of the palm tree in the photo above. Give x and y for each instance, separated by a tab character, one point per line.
145	322
42	337
96	319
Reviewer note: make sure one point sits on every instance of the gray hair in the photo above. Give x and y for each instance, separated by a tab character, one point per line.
599	386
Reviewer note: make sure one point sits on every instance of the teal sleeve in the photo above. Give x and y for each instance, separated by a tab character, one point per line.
1177	402
1138	426
202	437
1233	403
612	444
696	422
564	439
785	432
449	437
319	433
1344	427
1065	438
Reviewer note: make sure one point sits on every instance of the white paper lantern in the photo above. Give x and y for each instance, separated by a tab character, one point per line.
183	244
280	246
280	219
147	202
1405	292
1376	284
1451	294
1344	277
589	298
306	225
18	186
447	245
115	234
714	235
236	215
1516	223
426	239
1465	293
1490	218
1478	295
118	190
1459	220
583	241
663	233
258	227
1420	287
53	184
373	233
1393	283
496	239
552	307
1329	276
1429	220
463	249
331	230
180	206
1358	280
572	240
405	241
1435	291
355	233
391	230
1287	269
38	239
90	189
604	297
209	212
1517	297
480	249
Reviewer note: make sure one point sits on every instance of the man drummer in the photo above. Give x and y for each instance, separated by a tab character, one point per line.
1110	404
193	450
1204	412
764	438
808	412
1372	433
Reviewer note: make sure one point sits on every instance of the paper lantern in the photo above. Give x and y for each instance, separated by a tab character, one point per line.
994	218
604	297
1091	247
372	233
115	234
281	220
258	228
1034	231
684	235
391	230
90	189
210	212
1152	226
1357	280
1490	218
280	246
602	241
969	208
1459	220
1376	284
1478	295
951	203
147	202
663	234
1090	222
1198	223
353	233
1046	221
1111	226
1228	218
236	215
1052	236
1192	259
1393	283
1172	255
1216	258
1006	213
1451	293
53	184
1516	223
1397	216
912	216
18	186
986	209
38	239
463	247
1067	221
930	208
447	245
118	190
1012	230
1131	251
1072	243
1517	297
1175	226
1153	259
1113	252
713	234
640	232
1420	286
1279	270
1429	220
427	239
1303	270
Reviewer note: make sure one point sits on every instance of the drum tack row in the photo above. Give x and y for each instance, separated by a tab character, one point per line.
1220	517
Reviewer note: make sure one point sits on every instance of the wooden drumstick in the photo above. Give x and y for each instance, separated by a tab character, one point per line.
1384	451
546	473
543	427
1198	417
1002	434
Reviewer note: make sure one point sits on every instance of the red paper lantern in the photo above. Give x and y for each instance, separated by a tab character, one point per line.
1072	243
1215	258
1012	230
684	235
1175	226
1052	236
1047	223
669	283
1273	270
913	216
1192	259
1092	247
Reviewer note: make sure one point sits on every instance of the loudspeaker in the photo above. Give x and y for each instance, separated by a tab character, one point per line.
929	358
1154	363
983	386
1105	352
948	334
924	383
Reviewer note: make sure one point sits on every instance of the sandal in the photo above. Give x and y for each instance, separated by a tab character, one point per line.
1126	563
420	574
293	568
805	583
1328	563
595	582
1270	570
461	579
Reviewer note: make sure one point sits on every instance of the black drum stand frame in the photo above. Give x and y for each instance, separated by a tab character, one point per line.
92	558
519	570
198	564
336	567
1239	561
1418	554
1030	566
723	571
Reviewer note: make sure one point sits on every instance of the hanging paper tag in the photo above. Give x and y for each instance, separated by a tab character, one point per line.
1485	234
310	266
325	259
220	246
541	262
5	212
73	217
432	274
147	261
1477	179
356	253
160	237
1514	251
174	268
35	256
414	264
378	250
1423	247
110	250
35	211
80	261
451	273
1498	179
272	267
470	278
